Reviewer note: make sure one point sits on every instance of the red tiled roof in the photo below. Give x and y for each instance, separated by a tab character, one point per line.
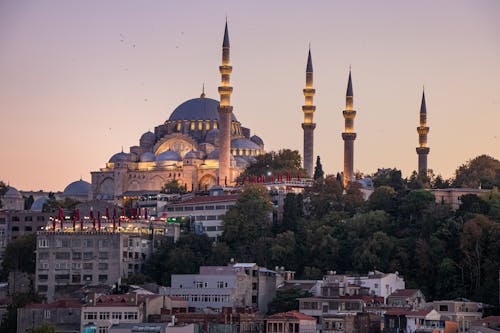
202	199
397	312
404	292
61	303
419	313
291	314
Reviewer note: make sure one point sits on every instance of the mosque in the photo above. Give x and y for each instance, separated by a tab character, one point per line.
201	144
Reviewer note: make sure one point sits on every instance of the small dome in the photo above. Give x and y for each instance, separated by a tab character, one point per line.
212	135
197	109
168	155
147	139
37	205
256	139
78	188
147	157
119	157
244	143
12	193
191	154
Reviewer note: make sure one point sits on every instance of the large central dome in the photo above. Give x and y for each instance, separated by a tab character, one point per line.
197	109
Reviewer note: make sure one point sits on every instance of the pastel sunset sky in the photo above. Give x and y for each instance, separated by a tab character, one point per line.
79	79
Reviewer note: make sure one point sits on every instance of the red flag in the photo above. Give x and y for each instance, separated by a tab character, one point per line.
272	178
75	217
146	213
114	219
298	176
107	213
225	180
99	220
218	180
53	223
61	217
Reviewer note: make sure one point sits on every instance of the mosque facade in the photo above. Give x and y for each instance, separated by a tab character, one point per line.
201	144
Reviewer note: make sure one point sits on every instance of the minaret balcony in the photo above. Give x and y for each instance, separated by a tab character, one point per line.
348	136
225	90
225	69
423	150
423	130
308	108
309	92
349	114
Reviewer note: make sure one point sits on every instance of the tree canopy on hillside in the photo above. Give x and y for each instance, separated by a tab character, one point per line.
482	171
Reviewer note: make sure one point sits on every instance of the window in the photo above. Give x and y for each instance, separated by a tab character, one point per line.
87	265
77	255
58	243
16	228
43	277
116	315
220	207
62	277
87	277
198	284
28	228
103	266
15	218
199	208
62	255
103	277
65	243
76	278
90	315
220	284
46	314
40	218
102	329
103	243
103	255
87	243
44	266
130	315
76	265
87	255
42	288
211	217
43	255
443	307
103	315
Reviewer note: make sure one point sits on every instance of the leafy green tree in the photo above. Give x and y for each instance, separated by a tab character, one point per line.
473	204
353	198
28	202
384	198
415	202
439	182
19	300
375	253
247	221
318	169
293	207
173	187
325	196
481	171
286	300
389	177
3	190
283	161
20	255
45	327
283	250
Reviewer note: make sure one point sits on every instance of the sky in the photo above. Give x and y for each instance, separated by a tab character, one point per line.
80	79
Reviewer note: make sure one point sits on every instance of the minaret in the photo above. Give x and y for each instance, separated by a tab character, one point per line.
225	112
308	108
349	135
423	130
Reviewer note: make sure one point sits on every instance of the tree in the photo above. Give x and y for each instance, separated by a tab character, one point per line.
389	177
28	202
173	187
20	255
482	171
3	190
383	197
19	300
45	327
283	161
247	221
318	169
286	300
324	197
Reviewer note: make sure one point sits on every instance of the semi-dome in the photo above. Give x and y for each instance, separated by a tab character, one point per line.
256	139
147	157
168	155
197	109
147	139
37	205
244	143
212	135
191	154
119	157
78	188
12	193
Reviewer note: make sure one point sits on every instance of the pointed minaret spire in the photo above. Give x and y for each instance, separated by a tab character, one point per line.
225	113
308	125
203	91
225	43
349	135
422	130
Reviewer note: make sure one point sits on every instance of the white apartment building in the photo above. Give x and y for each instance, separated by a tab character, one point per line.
379	284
